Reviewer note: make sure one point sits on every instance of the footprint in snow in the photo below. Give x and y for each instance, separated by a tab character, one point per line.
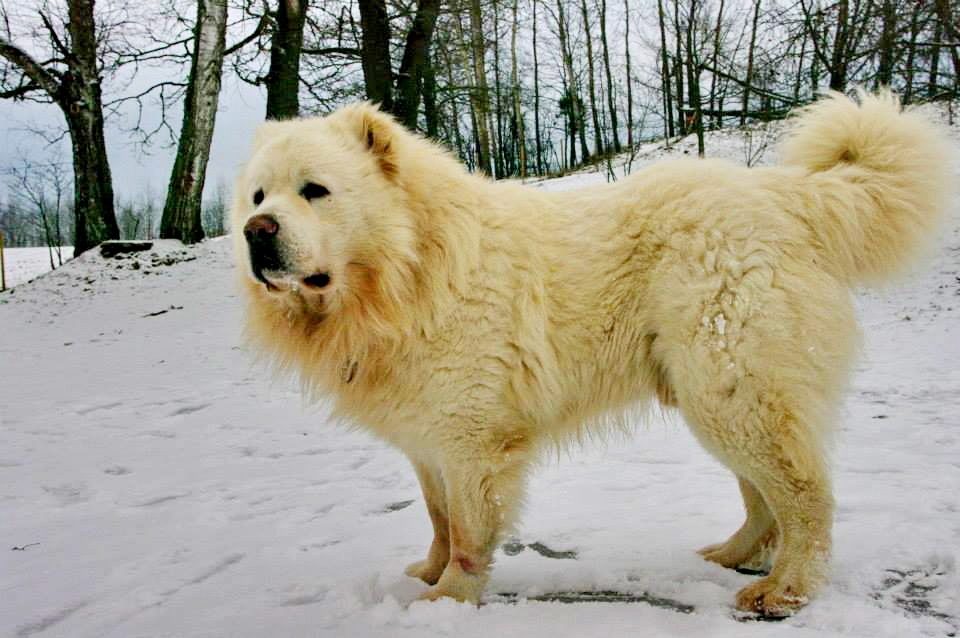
512	548
189	409
911	591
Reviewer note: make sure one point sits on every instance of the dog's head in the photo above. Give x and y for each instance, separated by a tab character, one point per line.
319	213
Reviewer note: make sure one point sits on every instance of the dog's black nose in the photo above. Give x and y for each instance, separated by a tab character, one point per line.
261	228
261	233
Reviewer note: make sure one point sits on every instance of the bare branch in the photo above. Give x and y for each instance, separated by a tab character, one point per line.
256	33
38	75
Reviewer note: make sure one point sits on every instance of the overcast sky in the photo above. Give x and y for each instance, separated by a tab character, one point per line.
135	170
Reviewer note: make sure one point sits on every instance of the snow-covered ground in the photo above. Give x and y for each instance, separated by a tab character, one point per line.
154	481
23	264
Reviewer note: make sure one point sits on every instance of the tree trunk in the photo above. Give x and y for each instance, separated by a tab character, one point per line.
521	140
430	112
750	51
606	65
799	79
718	122
577	119
283	78
887	37
413	66
626	40
375	52
912	51
597	139
181	212
814	29
945	13
77	92
665	78
479	97
693	78
448	64
536	94
933	78
678	68
96	219
838	61
499	146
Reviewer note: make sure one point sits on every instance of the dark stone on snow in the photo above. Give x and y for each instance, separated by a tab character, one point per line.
113	248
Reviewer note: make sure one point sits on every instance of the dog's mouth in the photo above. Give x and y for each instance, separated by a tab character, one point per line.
280	281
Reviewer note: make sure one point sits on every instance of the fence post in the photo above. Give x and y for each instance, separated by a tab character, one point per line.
3	268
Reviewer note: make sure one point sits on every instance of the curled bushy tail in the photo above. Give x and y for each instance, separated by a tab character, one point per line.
881	178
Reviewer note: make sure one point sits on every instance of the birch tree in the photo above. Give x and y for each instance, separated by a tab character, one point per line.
591	86
479	96
182	210
606	67
751	49
626	47
520	135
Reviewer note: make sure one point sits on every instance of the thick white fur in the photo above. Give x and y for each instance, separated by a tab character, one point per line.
473	324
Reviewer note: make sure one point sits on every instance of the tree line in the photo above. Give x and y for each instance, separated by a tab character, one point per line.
514	88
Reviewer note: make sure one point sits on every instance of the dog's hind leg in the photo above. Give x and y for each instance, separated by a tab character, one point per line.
780	456
429	569
757	374
749	545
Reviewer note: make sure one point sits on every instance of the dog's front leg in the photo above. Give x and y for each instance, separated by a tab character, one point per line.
431	482
483	490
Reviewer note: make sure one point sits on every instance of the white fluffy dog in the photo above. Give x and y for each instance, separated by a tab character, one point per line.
474	323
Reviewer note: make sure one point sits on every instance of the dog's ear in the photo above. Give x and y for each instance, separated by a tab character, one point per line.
377	132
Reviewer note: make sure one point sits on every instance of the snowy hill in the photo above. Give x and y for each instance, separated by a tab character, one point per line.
154	481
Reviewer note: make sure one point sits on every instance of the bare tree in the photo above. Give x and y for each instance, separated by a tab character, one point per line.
39	190
415	62
751	50
952	30
606	66
520	133
182	210
591	86
375	52
479	96
693	75
286	45
715	64
215	211
71	79
574	104
669	130
626	49
536	93
886	44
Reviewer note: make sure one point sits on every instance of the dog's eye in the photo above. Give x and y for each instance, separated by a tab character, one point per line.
258	197
313	191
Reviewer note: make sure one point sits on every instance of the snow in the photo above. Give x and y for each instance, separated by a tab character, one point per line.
23	264
154	481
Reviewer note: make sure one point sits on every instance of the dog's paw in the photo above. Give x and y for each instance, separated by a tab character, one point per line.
438	592
768	598
461	586
425	570
722	554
